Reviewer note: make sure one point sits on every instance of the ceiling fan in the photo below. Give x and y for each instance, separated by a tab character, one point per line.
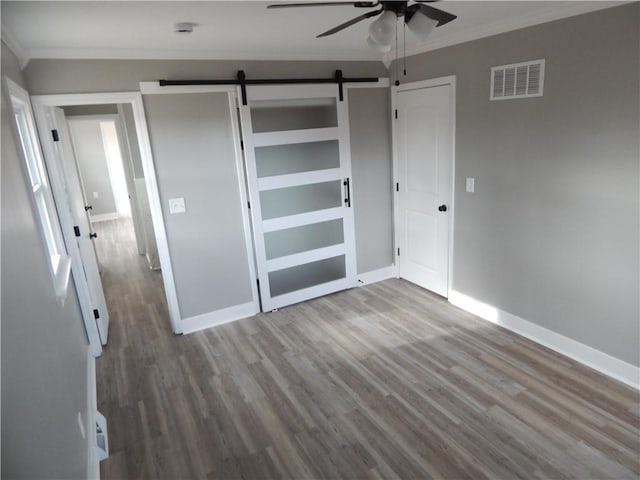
421	19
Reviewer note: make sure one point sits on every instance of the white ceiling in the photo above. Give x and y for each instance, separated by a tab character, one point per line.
241	29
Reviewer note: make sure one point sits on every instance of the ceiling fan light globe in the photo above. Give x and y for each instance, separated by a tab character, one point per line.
383	29
378	46
421	26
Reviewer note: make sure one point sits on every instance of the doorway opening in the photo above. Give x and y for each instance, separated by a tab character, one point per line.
112	182
111	174
99	158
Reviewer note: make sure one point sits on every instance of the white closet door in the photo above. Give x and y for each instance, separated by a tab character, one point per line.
425	170
297	157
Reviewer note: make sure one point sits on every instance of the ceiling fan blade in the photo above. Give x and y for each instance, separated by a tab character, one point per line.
344	25
440	16
324	4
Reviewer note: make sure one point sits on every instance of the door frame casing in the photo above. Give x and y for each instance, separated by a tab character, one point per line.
420	85
43	103
244	195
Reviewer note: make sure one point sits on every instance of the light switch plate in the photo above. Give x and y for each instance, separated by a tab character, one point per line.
471	184
176	205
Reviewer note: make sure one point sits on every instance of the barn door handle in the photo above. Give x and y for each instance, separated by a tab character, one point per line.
93	235
442	208
348	199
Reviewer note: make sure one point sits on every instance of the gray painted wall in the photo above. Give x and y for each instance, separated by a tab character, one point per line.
192	147
79	110
372	176
85	76
44	347
92	163
207	277
552	232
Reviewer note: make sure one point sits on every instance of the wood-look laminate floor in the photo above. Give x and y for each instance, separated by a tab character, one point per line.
384	381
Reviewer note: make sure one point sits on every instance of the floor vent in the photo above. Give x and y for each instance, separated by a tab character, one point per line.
518	80
102	437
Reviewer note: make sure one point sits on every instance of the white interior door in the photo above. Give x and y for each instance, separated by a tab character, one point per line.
83	234
298	170
424	138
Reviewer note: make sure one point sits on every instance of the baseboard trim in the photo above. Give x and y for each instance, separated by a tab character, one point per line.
219	317
589	356
93	464
104	217
374	276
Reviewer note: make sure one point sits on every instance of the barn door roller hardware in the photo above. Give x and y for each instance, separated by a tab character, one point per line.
241	79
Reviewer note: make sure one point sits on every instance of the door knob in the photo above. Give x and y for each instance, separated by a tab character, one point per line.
442	208
88	207
93	235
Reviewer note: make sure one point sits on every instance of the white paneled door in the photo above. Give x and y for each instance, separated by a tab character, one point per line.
297	156
424	142
83	233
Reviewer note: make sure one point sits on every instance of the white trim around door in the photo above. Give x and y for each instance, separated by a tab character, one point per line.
244	200
43	103
451	82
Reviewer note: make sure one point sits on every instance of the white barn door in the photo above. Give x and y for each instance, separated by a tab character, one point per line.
297	155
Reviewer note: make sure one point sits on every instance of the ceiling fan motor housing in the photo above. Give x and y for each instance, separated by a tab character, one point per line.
433	17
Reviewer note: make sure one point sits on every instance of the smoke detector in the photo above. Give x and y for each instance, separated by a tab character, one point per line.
184	27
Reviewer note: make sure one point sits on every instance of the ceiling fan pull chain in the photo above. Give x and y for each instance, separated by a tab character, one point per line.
397	59
404	48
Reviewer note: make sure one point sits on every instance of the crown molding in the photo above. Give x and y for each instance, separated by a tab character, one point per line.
550	14
12	44
556	12
158	54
